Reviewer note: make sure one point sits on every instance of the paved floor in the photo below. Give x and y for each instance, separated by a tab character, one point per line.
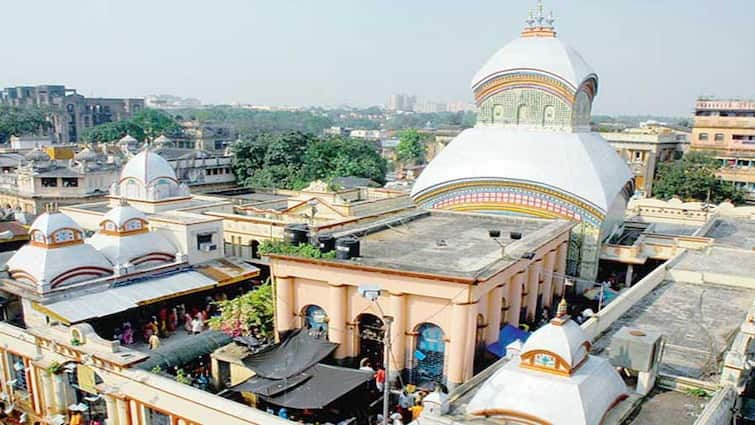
719	260
733	232
697	322
670	408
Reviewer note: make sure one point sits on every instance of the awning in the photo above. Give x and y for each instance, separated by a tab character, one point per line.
506	336
298	352
122	298
314	388
186	350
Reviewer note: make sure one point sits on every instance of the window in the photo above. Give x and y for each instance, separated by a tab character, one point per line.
204	242
702	136
63	236
719	137
49	182
18	372
637	156
133	225
70	182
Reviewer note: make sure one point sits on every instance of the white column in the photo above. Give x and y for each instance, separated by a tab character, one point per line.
548	269
398	332
284	300
337	319
111	409
461	326
495	300
533	285
515	298
560	269
122	408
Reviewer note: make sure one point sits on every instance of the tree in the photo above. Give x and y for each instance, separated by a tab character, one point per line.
694	178
147	123
410	149
247	314
15	121
343	157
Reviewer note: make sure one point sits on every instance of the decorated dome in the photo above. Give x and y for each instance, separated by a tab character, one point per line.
148	177
555	380
125	239
56	255
37	154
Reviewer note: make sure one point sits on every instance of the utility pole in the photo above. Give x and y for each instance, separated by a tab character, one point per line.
387	321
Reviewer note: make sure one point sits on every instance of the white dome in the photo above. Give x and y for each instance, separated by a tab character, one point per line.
147	167
86	154
582	164
127	140
139	249
566	340
56	255
537	54
37	154
123	213
49	223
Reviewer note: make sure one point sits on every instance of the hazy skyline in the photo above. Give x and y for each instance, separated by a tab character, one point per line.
652	56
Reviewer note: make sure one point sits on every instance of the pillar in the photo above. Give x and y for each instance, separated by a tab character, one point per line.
61	401
495	300
461	326
48	394
337	319
515	298
122	411
215	380
398	333
111	409
284	304
548	268
560	269
533	286
630	271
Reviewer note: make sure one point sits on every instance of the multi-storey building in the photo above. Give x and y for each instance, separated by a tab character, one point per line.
643	149
72	112
401	102
727	129
205	136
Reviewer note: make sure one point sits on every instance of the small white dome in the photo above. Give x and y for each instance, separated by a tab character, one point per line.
127	140
567	340
123	213
50	222
86	154
147	167
537	54
37	154
163	141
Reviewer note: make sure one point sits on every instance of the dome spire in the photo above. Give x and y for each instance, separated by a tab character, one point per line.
538	23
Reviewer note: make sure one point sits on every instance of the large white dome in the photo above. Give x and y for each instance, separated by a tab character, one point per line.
147	167
548	55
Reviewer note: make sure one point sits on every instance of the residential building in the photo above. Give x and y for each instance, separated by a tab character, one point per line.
726	128
429	107
644	149
73	113
535	92
450	281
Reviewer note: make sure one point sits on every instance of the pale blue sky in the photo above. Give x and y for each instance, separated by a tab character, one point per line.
653	56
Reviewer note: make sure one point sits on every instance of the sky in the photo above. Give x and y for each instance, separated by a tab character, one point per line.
652	56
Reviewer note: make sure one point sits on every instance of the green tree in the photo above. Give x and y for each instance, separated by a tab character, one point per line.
410	149
145	124
247	314
694	178
16	121
343	157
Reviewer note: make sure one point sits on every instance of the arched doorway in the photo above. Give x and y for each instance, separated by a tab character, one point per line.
371	333
479	348
315	320
428	357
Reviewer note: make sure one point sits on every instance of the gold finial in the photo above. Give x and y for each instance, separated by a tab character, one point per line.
51	207
563	308
122	201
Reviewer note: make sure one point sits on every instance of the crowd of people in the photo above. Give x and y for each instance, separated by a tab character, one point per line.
166	320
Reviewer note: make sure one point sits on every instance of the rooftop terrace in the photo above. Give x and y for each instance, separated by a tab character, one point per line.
449	243
696	321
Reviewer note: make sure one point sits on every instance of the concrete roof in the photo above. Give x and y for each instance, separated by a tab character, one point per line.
734	233
449	243
696	322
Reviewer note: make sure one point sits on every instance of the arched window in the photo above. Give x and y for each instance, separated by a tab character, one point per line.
549	116
371	333
497	113
522	114
316	320
431	347
132	189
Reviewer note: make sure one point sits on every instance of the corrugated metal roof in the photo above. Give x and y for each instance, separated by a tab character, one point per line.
116	300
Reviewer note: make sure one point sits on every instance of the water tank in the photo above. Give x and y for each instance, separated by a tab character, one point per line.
325	243
296	234
347	247
515	235
634	349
